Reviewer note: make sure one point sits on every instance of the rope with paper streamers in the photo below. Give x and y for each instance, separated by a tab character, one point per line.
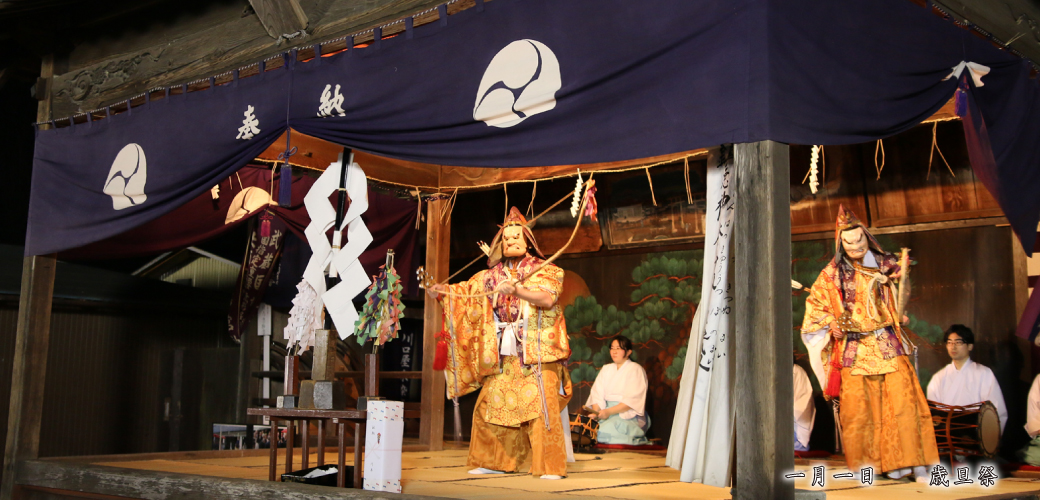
440	190
426	281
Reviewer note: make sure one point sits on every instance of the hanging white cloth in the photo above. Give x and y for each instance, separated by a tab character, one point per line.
804	408
1033	409
701	444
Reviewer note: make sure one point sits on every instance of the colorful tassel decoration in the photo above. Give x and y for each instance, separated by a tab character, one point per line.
591	209
380	318
440	358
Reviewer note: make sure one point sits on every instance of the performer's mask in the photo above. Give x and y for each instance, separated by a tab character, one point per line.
513	242
855	243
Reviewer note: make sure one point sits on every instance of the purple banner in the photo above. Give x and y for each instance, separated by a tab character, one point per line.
519	83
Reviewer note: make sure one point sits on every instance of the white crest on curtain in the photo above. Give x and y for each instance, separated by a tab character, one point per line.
338	299
249	126
127	177
701	443
331	102
527	66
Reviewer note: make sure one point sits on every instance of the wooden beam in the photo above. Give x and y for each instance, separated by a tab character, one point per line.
32	340
1020	276
134	483
438	239
763	343
29	373
280	17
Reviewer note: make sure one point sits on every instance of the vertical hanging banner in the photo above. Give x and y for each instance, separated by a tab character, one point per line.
253	278
702	434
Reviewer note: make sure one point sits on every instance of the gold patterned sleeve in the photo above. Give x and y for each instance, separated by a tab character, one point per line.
465	318
819	304
549	280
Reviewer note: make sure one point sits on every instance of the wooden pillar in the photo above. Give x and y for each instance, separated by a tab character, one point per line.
32	339
763	348
1020	266
431	427
242	393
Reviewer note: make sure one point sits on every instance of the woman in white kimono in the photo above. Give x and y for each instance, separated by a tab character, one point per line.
618	397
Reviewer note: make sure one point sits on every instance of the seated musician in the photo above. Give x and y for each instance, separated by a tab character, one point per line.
804	409
965	382
1031	453
618	397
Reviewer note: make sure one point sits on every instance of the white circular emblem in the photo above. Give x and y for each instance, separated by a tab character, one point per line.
126	178
521	81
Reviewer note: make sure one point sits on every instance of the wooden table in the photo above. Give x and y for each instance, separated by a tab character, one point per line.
338	417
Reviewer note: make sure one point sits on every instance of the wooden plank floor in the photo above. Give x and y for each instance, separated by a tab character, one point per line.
621	475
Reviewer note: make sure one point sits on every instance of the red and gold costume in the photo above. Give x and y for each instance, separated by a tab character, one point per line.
515	351
885	420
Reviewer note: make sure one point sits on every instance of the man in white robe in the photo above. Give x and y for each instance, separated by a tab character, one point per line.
964	382
804	409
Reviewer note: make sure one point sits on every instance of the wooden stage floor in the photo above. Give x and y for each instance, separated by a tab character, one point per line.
621	475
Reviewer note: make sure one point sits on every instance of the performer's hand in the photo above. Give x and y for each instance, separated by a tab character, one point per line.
836	332
507	287
435	290
602	415
906	320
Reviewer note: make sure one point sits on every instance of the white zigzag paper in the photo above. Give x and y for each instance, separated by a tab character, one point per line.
345	261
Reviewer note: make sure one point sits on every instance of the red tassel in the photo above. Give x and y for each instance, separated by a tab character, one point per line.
265	225
440	359
834	383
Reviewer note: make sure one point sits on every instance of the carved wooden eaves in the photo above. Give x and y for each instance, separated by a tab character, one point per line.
199	51
1014	23
281	18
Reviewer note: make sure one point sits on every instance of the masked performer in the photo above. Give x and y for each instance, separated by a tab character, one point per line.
855	341
511	343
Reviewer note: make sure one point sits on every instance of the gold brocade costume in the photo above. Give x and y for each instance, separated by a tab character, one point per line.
509	418
884	416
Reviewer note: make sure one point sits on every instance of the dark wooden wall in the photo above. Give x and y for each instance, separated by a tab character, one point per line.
107	378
